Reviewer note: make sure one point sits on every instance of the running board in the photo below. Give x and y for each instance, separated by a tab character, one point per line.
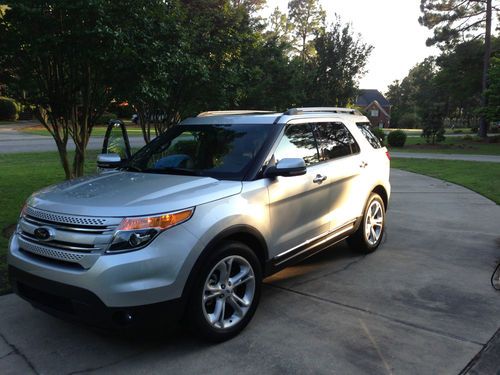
314	245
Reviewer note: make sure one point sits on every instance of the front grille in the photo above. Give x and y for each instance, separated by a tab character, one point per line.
84	260
51	253
78	240
68	219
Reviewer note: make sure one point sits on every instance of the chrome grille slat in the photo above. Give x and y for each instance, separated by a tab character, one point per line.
56	245
69	228
84	260
70	219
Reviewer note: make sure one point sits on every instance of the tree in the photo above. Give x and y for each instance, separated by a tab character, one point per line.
492	111
306	17
156	66
453	19
60	57
44	54
459	78
414	93
279	27
340	59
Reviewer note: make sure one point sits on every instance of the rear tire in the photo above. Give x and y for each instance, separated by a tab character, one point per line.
371	230
226	292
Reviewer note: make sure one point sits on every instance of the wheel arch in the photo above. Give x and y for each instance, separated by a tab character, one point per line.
380	190
242	233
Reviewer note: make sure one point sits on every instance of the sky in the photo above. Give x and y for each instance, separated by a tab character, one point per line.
391	26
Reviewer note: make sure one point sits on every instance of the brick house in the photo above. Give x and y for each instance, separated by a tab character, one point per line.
376	107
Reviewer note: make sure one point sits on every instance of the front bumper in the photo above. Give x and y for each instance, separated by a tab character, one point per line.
154	274
77	304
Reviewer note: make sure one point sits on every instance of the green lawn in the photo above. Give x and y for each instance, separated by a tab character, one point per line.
98	131
483	178
451	145
21	175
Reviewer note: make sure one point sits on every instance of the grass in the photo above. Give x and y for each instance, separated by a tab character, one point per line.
98	131
483	178
463	131
22	174
451	145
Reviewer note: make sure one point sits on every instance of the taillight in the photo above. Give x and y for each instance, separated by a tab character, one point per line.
388	155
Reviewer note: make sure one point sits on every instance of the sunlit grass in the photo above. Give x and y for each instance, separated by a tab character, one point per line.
483	178
21	175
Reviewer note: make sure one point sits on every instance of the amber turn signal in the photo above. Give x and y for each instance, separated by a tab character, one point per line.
160	222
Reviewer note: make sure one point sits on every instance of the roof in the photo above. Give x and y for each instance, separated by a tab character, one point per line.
262	117
377	104
366	97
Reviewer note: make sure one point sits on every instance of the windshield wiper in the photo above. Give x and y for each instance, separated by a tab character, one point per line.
172	170
132	168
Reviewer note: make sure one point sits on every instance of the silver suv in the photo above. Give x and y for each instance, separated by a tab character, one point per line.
192	222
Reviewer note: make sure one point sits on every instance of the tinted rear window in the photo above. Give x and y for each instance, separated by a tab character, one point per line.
370	137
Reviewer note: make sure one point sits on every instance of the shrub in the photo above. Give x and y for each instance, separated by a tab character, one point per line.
397	138
379	133
494	139
122	111
106	117
474	130
433	135
457	131
433	124
9	109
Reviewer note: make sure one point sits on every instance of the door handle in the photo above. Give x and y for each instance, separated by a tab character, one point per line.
363	164
319	179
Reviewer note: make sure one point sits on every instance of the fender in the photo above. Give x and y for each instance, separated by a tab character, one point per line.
239	232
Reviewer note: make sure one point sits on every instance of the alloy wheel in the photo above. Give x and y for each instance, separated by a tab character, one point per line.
228	292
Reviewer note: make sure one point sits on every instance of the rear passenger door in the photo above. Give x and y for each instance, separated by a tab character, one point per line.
340	153
299	205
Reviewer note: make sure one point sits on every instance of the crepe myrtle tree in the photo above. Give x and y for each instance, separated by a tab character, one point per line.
59	56
455	20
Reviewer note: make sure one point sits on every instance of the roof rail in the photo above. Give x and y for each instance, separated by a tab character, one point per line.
234	113
296	111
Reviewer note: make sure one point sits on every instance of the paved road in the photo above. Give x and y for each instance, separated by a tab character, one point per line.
13	141
414	155
421	304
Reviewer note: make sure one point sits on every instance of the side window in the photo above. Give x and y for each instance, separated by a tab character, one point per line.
298	142
334	141
367	133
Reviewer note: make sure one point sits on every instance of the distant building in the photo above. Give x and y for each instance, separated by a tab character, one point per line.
376	107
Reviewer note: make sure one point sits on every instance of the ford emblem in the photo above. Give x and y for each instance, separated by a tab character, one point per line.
44	233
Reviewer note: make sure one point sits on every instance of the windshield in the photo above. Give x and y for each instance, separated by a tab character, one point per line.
219	151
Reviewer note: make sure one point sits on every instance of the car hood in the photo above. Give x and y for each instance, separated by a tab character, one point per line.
131	194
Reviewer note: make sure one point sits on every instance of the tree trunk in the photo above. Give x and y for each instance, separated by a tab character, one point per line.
63	156
79	162
483	124
60	137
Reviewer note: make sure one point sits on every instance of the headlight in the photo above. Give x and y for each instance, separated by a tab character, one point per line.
136	232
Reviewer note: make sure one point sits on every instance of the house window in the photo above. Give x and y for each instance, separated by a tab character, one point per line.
374	113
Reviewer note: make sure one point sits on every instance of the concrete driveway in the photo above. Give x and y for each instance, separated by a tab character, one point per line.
422	304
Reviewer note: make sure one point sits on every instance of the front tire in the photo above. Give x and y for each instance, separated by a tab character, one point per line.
371	230
226	293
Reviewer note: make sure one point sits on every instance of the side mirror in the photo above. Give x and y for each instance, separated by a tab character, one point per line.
288	167
108	161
